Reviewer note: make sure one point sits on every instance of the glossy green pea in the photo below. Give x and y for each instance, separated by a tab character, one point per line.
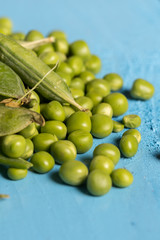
102	163
142	89
33	35
68	110
109	150
73	172
103	108
65	76
102	125
18	36
29	131
85	102
16	174
80	48
131	121
118	103
29	149
13	145
58	35
56	128
76	63
98	182
45	48
76	92
64	67
133	132
62	56
42	162
98	85
93	64
61	45
35	96
95	96
128	145
50	58
6	23
54	111
87	76
117	126
63	151
77	83
78	121
82	140
43	141
115	81
122	178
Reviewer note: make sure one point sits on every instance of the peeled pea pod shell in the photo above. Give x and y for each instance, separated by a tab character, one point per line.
13	120
10	83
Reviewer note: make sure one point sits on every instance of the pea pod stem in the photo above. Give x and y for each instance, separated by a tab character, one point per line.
4	196
15	162
37	43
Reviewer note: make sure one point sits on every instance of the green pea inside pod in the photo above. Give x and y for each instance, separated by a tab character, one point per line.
11	86
13	120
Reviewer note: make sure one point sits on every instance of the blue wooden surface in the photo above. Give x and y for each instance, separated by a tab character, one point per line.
126	36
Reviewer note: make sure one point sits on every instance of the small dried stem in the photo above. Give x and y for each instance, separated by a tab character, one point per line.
37	43
4	196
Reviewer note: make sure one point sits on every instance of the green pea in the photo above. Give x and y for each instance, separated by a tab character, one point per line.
56	128
73	172
98	182
16	174
58	35
77	83
68	110
29	149
63	151
93	64
85	102
42	162
34	35
80	48
65	76
142	89
95	96
109	150
64	67
102	163
103	108
50	58
76	63
78	121
62	57
45	48
5	31
61	45
122	178
13	145
115	81
133	132
102	125
43	141
6	23
118	103
87	76
98	85
29	131
117	126
76	92
35	96
18	36
131	121
128	145
54	111
82	140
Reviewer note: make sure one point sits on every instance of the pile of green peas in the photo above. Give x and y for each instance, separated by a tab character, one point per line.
67	131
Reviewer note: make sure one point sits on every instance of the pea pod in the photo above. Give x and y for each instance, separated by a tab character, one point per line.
15	162
13	120
31	69
10	83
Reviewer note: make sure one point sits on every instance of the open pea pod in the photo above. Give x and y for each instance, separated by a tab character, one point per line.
31	70
10	83
13	120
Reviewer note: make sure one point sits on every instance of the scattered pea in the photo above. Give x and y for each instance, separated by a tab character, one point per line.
142	89
103	108
102	125
43	141
122	178
114	80
80	48
128	145
117	126
133	132
102	163
93	64
16	174
131	121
